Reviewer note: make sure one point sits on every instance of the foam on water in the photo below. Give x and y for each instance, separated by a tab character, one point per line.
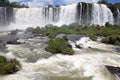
86	64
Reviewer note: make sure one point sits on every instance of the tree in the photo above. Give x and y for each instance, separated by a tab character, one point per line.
7	3
4	3
103	2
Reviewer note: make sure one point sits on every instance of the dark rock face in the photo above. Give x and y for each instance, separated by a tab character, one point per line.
2	44
117	49
114	70
12	40
29	29
78	46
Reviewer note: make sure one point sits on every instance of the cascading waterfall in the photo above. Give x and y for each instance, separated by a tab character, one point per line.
6	16
68	14
37	64
118	16
82	13
29	17
101	14
3	16
33	17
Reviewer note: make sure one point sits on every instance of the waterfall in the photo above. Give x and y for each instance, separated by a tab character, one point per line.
68	14
101	14
29	17
82	13
3	18
6	16
118	16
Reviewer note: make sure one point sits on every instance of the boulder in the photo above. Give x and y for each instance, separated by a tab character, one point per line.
114	70
78	46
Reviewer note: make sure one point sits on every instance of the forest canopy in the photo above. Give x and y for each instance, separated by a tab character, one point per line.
7	3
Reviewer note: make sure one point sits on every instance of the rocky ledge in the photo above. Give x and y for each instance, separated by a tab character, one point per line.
114	70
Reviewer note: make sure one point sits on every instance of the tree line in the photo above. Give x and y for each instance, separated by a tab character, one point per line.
7	3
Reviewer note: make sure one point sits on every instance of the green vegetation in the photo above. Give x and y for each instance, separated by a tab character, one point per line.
113	39
52	31
103	2
16	5
14	32
8	66
59	45
7	3
92	31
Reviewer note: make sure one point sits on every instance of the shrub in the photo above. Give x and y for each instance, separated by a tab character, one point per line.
93	37
52	35
91	31
8	66
2	59
65	38
114	39
67	51
59	45
107	24
117	43
14	32
36	30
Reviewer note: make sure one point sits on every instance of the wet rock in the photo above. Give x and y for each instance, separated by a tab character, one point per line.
2	44
74	37
117	49
49	25
114	70
68	44
13	42
60	35
78	46
29	29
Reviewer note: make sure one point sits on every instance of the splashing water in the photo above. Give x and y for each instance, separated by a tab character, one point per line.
81	13
86	64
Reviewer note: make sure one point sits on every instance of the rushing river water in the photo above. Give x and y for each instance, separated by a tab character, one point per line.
86	64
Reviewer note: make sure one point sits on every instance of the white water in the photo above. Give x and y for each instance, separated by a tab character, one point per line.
118	16
68	14
28	17
32	17
86	42
3	19
101	14
86	64
80	14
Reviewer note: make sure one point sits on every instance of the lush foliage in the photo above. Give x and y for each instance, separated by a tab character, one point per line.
7	3
53	31
113	39
103	2
8	66
13	32
59	45
91	31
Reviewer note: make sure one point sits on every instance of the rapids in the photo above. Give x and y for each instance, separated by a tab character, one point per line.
86	64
